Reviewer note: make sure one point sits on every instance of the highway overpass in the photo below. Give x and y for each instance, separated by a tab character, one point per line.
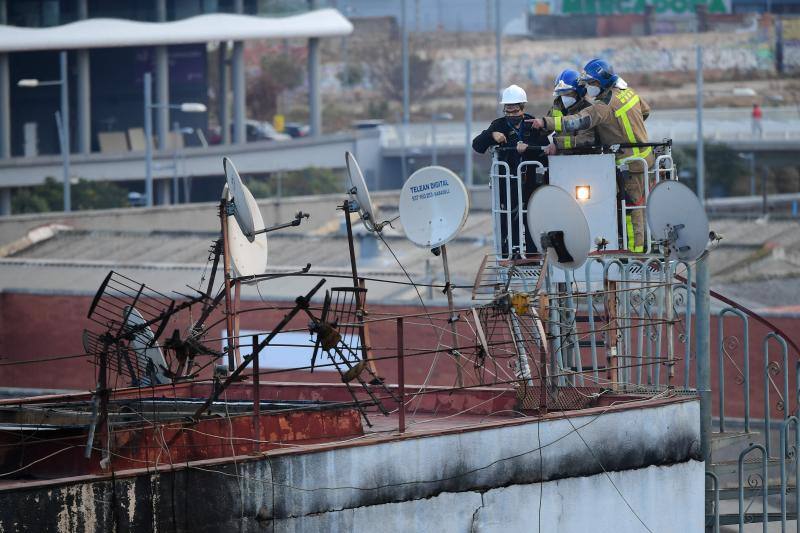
380	150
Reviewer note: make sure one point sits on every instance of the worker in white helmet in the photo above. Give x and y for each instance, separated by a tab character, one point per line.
521	143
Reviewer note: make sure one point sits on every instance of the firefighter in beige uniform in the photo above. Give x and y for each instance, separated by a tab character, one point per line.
618	116
569	100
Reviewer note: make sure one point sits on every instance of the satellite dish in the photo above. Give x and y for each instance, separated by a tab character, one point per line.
142	344
359	192
676	217
552	211
434	205
248	257
241	209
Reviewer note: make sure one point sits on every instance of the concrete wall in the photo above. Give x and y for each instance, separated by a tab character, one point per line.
469	480
576	504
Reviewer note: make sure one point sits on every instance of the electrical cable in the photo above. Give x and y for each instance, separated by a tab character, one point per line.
425	309
442	479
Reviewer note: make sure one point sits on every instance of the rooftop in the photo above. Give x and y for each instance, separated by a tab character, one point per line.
757	262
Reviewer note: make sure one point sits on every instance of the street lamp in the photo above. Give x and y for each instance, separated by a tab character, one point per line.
178	133
62	124
435	118
187	107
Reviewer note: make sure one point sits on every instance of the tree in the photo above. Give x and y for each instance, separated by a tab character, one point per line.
727	174
352	75
279	72
297	183
85	195
386	71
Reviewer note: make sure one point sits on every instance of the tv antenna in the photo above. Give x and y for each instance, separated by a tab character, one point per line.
677	219
360	199
143	344
248	257
244	247
434	206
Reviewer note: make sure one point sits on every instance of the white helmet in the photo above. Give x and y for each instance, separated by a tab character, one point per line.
514	94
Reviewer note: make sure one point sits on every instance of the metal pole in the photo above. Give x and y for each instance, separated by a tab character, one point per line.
406	96
162	110
148	138
84	101
764	208
175	194
703	354
434	155
701	165
358	283
5	107
314	99
347	10
239	96
498	45
452	317
230	340
468	124
406	75
401	378
256	395
222	99
350	244
65	146
162	82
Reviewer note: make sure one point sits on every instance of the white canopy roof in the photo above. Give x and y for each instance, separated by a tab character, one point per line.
109	33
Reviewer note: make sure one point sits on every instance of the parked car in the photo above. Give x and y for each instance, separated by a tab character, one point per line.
136	199
296	129
263	131
255	131
367	124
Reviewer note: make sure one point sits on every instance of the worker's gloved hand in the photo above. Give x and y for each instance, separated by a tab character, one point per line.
498	137
521	147
536	123
550	149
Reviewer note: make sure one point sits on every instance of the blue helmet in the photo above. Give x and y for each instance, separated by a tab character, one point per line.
600	71
568	81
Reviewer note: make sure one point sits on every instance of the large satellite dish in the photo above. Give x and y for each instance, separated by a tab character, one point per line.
434	205
677	218
248	256
143	346
241	208
359	192
554	213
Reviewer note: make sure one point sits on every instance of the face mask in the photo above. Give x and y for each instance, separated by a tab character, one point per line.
515	120
592	90
568	101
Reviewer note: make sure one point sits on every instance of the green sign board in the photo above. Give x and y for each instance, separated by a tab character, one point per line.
637	7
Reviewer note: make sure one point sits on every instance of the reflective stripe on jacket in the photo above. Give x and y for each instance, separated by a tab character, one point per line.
617	116
564	140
